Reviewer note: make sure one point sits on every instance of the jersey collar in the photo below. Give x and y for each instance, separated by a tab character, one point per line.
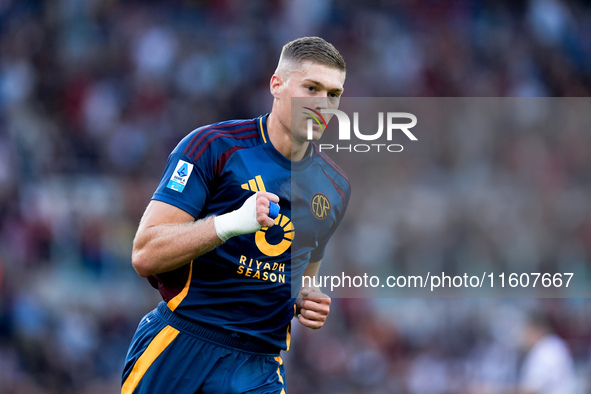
278	157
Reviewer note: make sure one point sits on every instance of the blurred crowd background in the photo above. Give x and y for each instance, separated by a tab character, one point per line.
94	94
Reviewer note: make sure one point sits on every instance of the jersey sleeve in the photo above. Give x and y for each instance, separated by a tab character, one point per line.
318	253
185	183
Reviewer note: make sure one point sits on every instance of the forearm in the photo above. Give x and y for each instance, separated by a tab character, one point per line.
168	237
312	305
165	247
310	271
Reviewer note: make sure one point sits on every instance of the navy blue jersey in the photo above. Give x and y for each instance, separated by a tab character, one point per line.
245	285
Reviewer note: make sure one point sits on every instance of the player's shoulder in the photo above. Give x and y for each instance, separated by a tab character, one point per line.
219	137
332	170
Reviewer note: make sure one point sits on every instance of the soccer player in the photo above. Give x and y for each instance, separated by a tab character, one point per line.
223	266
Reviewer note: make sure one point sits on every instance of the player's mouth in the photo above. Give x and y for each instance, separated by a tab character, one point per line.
315	125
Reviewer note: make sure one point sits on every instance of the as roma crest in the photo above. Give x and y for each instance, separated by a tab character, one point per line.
320	206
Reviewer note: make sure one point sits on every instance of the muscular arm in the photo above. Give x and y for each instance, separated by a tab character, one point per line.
168	238
312	305
312	269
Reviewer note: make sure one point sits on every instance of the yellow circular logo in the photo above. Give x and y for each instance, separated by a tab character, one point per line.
320	206
283	224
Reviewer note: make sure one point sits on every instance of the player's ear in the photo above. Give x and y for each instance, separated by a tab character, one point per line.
275	85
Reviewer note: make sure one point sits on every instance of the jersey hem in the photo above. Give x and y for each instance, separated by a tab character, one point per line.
235	341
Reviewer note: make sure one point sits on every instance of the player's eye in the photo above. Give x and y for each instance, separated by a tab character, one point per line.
311	88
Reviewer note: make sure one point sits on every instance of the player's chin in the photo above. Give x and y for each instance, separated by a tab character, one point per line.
316	134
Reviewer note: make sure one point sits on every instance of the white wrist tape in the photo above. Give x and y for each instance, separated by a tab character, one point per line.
241	221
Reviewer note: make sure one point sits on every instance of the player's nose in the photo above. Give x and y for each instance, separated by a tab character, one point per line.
321	101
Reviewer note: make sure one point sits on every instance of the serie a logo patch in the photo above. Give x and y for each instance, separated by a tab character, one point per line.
180	176
320	206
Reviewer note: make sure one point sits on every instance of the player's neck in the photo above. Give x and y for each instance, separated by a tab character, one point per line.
281	139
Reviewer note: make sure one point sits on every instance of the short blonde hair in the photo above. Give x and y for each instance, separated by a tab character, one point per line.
313	49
